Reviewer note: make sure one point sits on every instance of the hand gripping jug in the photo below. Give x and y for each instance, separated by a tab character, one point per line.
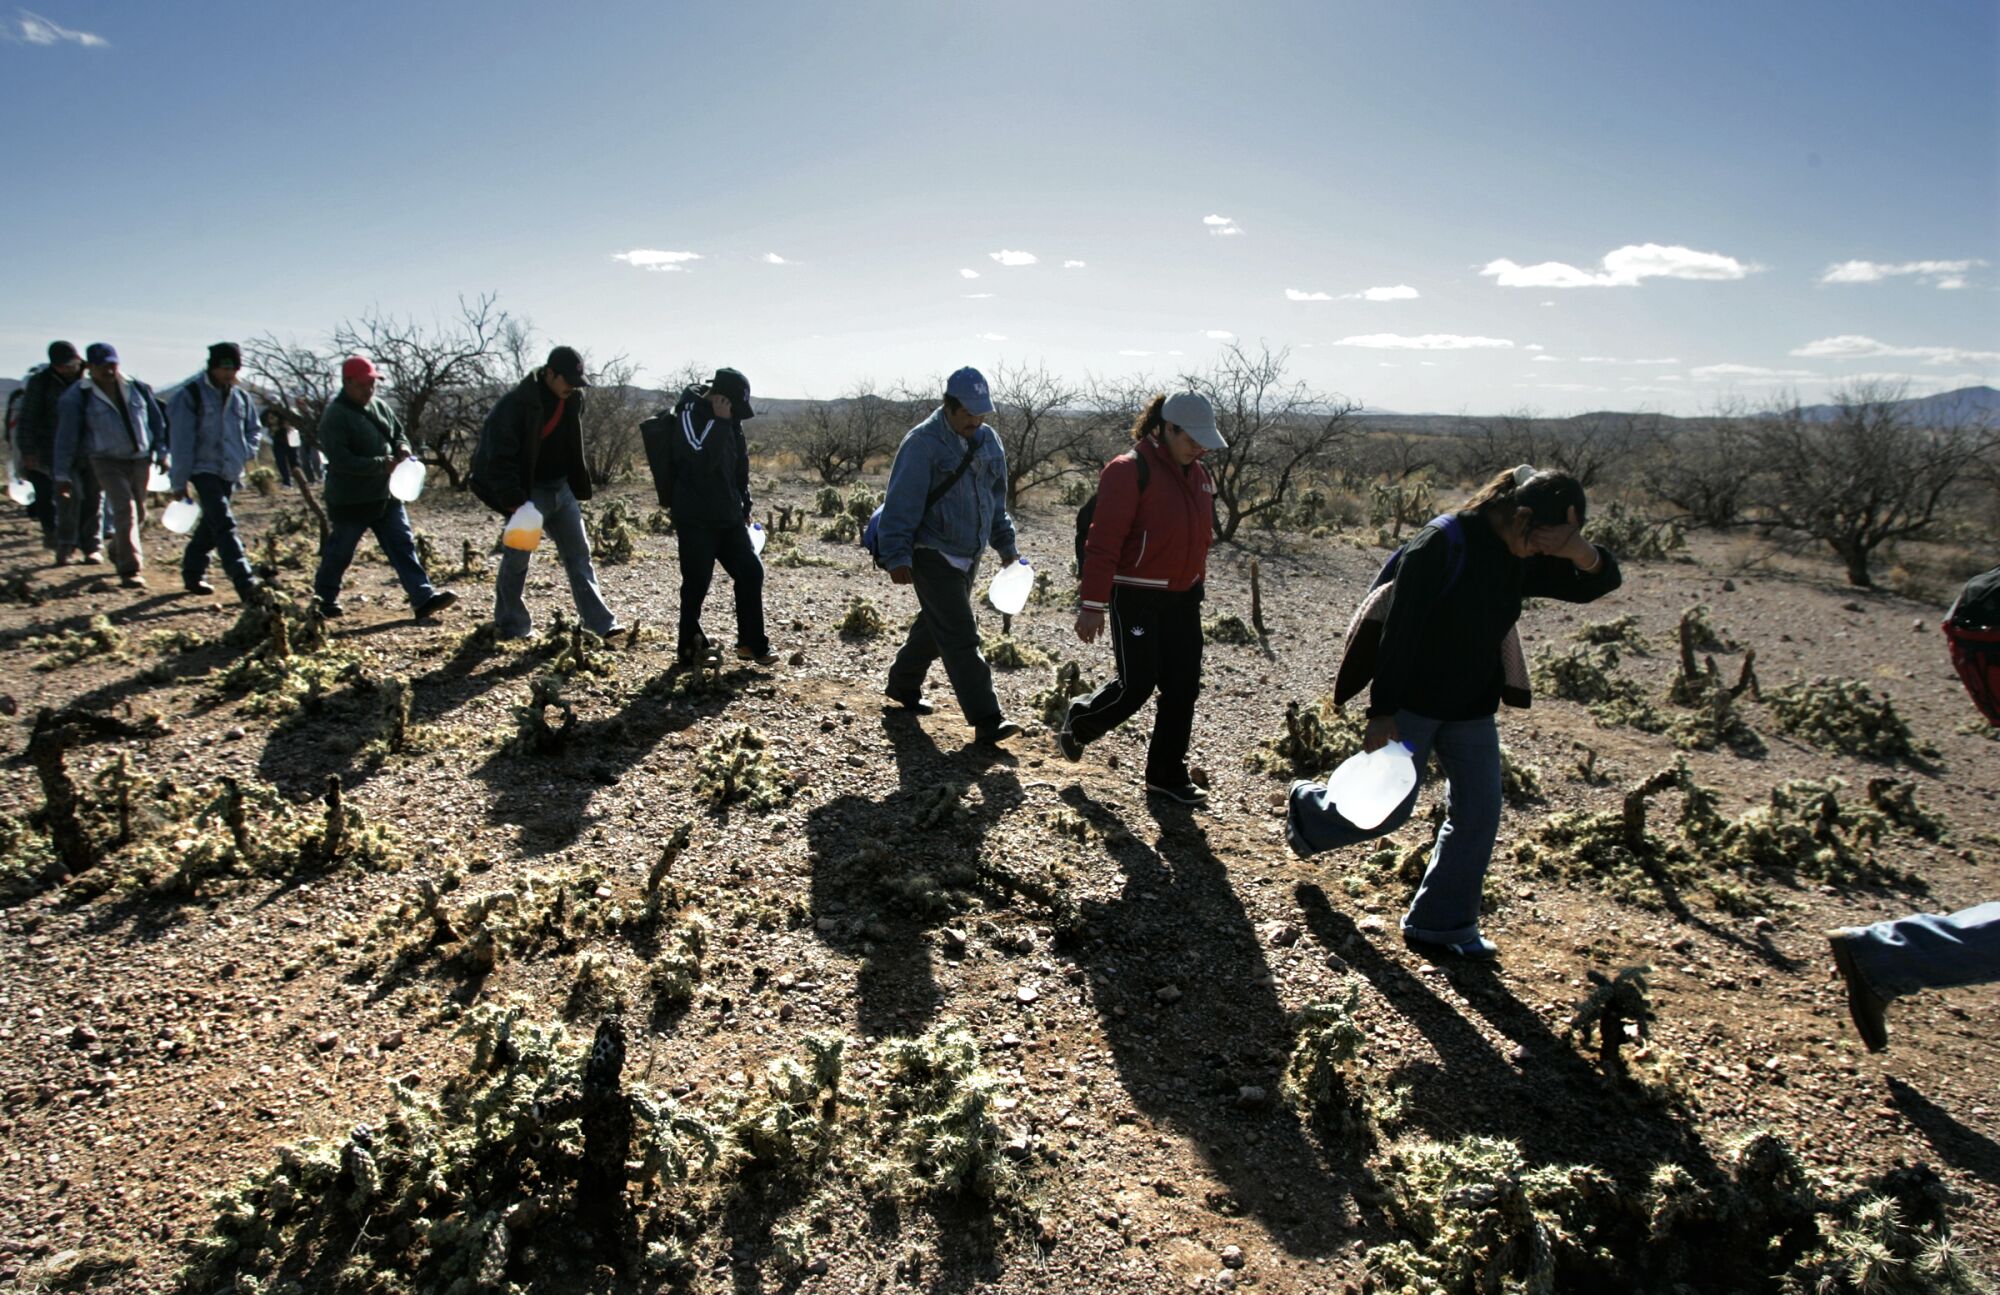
406	482
524	528
1367	787
1010	588
157	481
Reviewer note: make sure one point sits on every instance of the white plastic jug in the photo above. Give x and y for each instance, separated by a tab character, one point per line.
406	481
159	481
181	516
756	537
21	491
1010	588
1368	786
524	528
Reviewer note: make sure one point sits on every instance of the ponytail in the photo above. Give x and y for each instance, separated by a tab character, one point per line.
1547	495
1151	420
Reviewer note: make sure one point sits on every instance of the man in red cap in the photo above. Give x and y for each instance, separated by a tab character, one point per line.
363	442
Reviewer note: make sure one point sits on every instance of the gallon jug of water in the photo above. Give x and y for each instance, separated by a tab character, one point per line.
181	516
1367	787
524	528
158	482
1010	588
406	482
21	491
756	537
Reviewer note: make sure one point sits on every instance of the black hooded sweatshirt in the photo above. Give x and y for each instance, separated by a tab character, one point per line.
708	465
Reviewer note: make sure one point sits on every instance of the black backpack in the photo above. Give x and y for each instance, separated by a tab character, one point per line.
1085	514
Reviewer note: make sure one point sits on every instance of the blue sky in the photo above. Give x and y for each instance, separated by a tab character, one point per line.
1437	206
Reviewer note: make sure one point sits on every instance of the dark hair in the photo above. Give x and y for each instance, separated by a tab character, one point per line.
1151	420
1548	496
271	414
951	404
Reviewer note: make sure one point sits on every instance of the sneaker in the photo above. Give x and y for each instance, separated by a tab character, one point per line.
61	560
1067	743
911	702
764	658
1293	837
133	581
332	611
1867	1007
92	558
442	600
994	732
1186	792
1476	949
197	587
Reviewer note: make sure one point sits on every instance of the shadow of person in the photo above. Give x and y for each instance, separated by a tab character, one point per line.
1545	1096
1186	1002
1958	1146
887	871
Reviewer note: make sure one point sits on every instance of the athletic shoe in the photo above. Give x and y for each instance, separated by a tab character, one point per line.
764	658
1072	750
332	611
1187	793
911	702
1293	837
994	732
442	600
197	586
133	581
1867	1007
1476	949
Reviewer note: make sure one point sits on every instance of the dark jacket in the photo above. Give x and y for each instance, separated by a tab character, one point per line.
37	433
1440	656
1152	538
361	443
511	446
705	477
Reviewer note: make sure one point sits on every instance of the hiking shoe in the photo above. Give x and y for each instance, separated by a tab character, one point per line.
442	600
911	702
747	653
1066	742
1293	837
1476	949
92	558
133	581
332	611
994	732
1186	792
1867	1007
197	586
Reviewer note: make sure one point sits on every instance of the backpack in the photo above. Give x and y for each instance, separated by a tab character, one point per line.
1454	554
1088	513
1972	627
871	538
1364	635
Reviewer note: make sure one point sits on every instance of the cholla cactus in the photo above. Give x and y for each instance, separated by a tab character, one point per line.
1229	629
1321	1080
1616	1003
863	620
1314	739
1052	703
1844	715
827	502
737	767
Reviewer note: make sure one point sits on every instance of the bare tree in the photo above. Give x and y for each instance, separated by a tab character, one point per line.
1278	431
836	439
1867	474
443	377
1702	466
611	412
1042	434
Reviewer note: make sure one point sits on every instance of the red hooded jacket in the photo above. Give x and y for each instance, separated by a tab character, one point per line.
1156	538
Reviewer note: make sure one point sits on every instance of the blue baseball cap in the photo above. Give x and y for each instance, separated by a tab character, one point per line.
101	353
968	388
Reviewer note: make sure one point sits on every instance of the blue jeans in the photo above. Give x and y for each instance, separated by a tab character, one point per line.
399	545
1446	907
562	522
216	533
1929	950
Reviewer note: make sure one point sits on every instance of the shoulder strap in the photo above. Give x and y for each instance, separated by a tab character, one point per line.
1454	540
957	472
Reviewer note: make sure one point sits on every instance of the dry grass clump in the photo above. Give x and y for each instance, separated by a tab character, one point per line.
863	620
736	767
1623	633
98	641
1005	652
1844	715
1314	739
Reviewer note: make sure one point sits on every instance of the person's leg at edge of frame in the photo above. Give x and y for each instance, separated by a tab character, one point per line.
336	554
945	594
562	520
511	617
1445	909
697	544
1179	656
399	545
746	576
1135	660
1322	827
123	483
1928	950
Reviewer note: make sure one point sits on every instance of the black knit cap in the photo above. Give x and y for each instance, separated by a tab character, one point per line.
222	353
63	353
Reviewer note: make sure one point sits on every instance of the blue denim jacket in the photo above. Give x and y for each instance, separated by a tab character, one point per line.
968	517
88	426
221	441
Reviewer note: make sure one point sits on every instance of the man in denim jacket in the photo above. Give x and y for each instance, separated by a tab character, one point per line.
937	548
213	429
109	430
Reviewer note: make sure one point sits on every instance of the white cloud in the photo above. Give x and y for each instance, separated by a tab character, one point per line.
1426	342
1622	267
1218	221
1222	226
1548	303
1135	353
1399	292
1072	265
1175	352
1534	346
1559	386
977	296
1664	360
1548	359
1218	335
648	258
33	29
1712	372
1227	231
1849	346
1942	274
1387	364
1427	364
1007	257
772	258
1595	359
990	337
968	274
1296	294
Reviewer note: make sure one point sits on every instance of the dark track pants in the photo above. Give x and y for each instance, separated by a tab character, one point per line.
1156	640
701	547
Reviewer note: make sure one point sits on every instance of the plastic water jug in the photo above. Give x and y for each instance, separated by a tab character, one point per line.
756	537
21	491
159	481
1367	787
1010	588
406	480
524	528
181	516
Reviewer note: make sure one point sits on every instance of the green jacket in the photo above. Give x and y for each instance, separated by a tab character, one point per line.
361	443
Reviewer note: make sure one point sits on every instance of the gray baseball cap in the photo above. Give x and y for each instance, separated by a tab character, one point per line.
1191	412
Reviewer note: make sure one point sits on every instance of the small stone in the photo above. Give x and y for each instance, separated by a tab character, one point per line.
1370	926
1917	625
1168	993
826	924
953	941
1198	776
391	1041
235	732
799	658
1027	994
1251	1096
1232	1256
82	1037
602	892
326	1041
1282	935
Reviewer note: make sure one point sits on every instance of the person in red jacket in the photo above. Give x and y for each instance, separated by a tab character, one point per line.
1143	565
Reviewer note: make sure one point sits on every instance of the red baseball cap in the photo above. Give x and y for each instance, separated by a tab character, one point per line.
357	367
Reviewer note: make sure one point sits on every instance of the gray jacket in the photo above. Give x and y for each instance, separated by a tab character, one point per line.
211	431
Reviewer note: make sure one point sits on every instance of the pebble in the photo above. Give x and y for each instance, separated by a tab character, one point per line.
1027	994
1370	926
1232	1256
1249	1096
326	1041
1168	993
391	1041
1284	935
